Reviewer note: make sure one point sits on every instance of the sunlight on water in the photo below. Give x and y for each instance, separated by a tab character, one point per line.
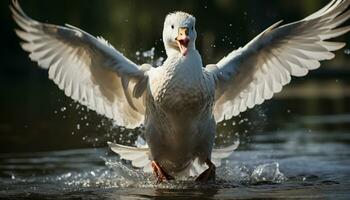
314	160
119	175
116	175
268	173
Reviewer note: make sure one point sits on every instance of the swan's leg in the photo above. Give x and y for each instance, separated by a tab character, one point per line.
159	172
209	174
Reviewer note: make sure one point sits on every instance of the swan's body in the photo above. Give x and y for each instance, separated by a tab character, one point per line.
179	122
180	102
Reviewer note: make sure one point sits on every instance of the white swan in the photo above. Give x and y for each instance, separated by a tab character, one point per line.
180	102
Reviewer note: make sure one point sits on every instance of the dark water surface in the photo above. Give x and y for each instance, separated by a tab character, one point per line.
282	164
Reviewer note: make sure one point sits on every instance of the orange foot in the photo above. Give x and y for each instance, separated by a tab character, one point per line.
159	172
207	175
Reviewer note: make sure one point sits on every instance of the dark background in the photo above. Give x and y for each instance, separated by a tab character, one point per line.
36	116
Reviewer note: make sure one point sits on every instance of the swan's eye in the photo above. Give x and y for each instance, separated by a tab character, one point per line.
172	26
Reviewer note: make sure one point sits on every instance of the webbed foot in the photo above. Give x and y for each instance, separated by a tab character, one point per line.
208	174
159	172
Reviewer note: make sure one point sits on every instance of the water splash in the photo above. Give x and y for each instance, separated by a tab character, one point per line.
149	53
256	174
140	142
347	51
115	174
119	175
267	173
159	61
149	56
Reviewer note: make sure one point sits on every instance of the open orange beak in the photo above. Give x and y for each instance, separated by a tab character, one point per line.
182	40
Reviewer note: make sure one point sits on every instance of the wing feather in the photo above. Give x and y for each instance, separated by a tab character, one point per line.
252	74
88	69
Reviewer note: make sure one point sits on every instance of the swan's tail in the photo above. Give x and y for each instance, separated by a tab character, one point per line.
140	158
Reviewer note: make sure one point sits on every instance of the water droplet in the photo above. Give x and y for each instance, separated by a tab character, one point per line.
149	53
347	51
63	109
78	126
159	61
13	177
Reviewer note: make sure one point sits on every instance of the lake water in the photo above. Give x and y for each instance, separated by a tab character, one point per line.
281	164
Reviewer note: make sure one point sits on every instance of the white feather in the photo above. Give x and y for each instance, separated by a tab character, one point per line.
88	69
274	56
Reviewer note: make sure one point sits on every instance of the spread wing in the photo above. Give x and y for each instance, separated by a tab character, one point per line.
252	74
88	69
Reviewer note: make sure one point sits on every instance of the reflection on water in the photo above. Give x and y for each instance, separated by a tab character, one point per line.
278	164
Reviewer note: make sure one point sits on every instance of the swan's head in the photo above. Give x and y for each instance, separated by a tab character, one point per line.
179	33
